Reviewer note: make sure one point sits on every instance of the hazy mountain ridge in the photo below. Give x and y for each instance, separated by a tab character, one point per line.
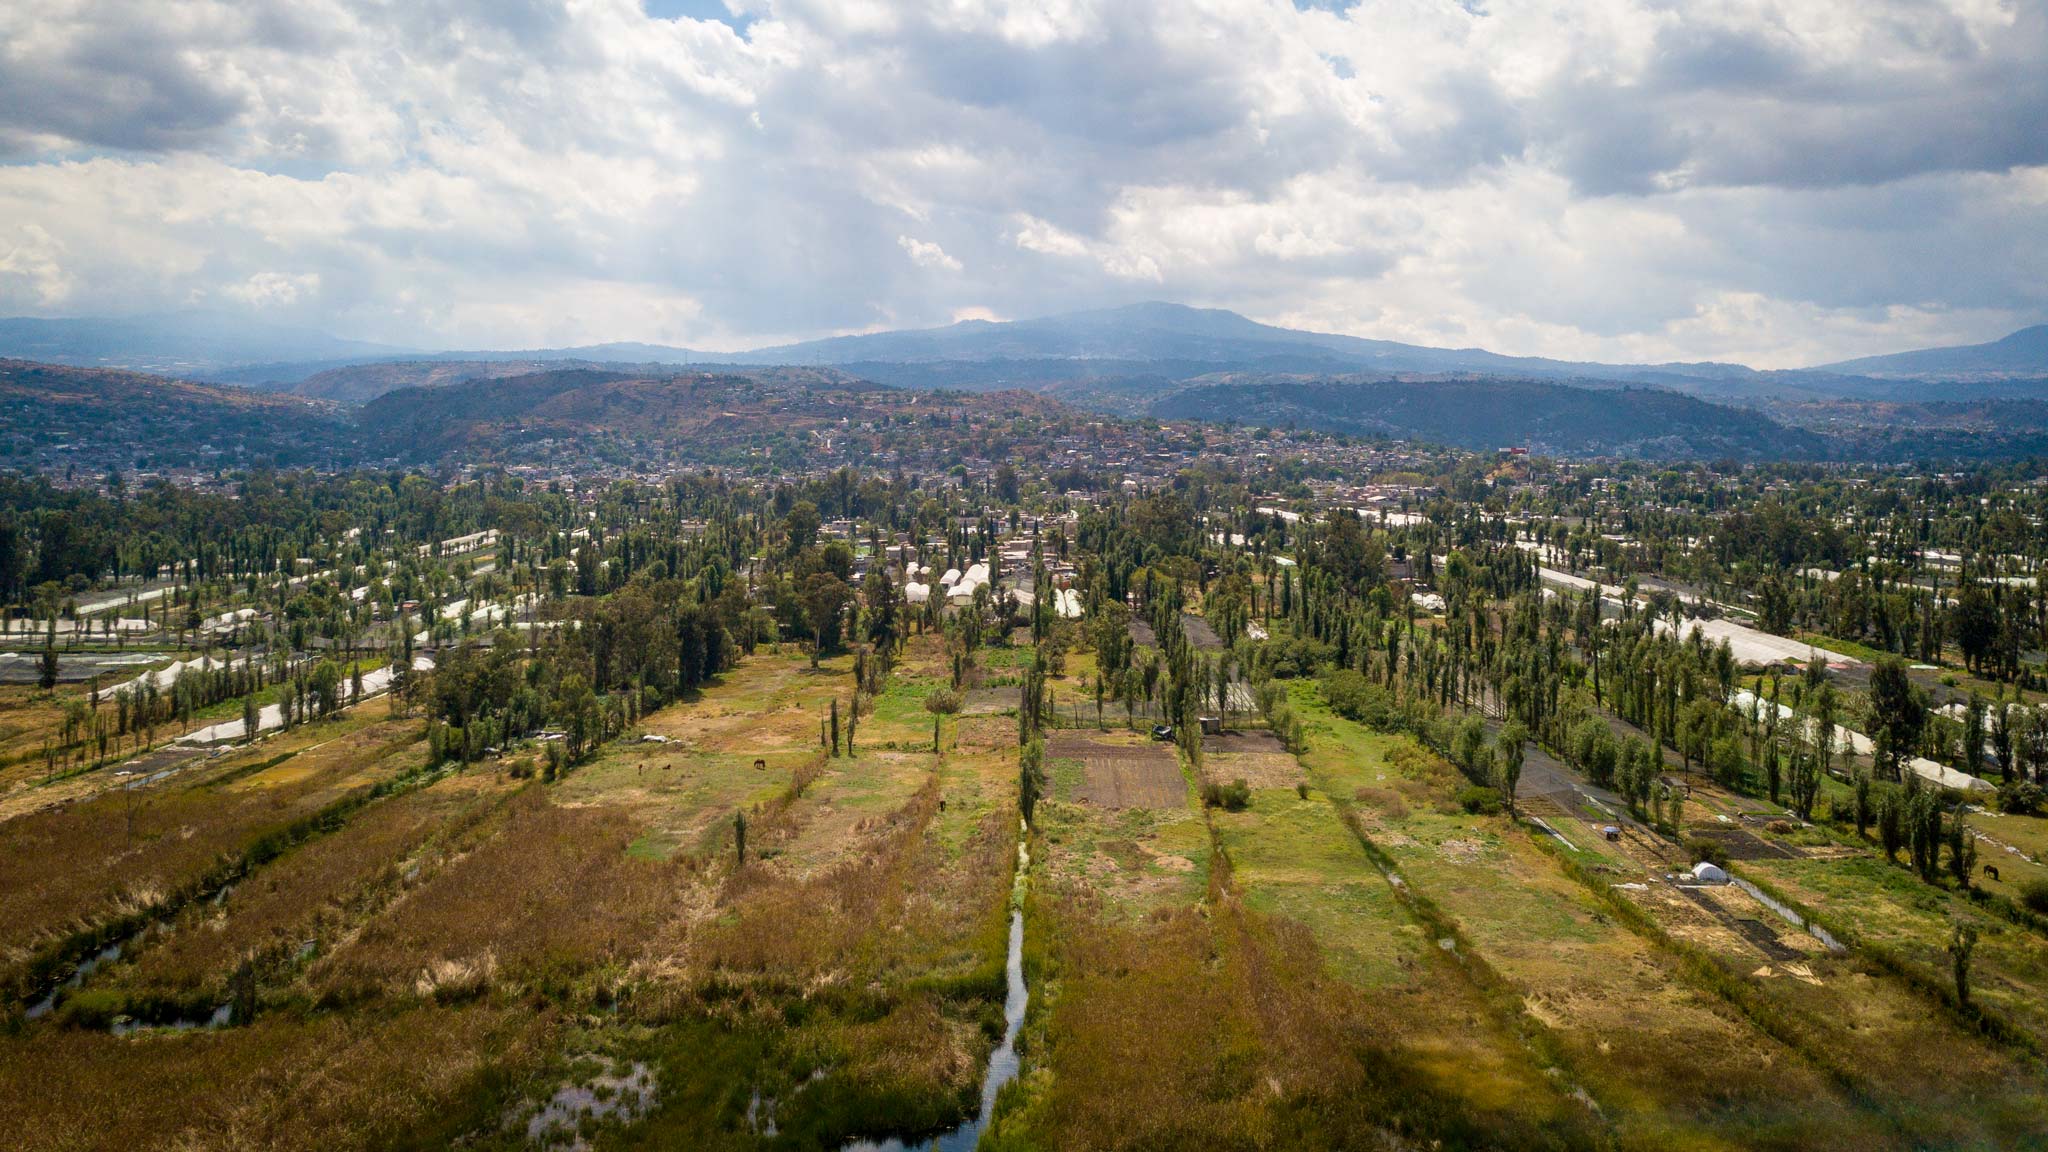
1160	331
181	343
1155	358
2022	354
1152	338
362	383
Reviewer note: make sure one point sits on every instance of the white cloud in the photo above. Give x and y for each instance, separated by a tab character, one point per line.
32	267
1766	180
1035	235
274	289
926	254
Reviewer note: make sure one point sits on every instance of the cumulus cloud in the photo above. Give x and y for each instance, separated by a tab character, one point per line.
1776	181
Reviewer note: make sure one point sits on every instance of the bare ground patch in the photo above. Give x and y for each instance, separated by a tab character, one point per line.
988	701
1200	634
1258	769
984	733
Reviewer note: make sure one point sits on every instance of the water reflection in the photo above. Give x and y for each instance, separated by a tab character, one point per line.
1002	1066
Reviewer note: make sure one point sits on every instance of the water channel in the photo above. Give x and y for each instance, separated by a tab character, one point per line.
1002	1065
1788	915
106	955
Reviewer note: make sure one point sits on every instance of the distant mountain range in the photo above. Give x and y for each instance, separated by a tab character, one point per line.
1172	332
195	345
63	418
1163	360
1170	341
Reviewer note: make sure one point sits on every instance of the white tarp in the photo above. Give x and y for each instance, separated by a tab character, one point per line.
1751	646
272	715
1745	701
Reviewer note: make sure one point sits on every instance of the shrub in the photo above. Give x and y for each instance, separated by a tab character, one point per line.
1235	796
1386	800
2020	798
1286	727
1480	800
1706	848
1420	764
2034	894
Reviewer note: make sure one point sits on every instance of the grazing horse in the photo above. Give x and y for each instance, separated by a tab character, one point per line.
1991	870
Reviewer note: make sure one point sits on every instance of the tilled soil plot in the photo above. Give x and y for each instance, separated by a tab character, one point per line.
1243	741
1121	775
1725	920
1742	844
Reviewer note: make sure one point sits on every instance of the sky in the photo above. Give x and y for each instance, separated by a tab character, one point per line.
1773	182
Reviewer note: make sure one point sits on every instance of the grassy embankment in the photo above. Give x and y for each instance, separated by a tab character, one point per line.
1670	1065
1867	1022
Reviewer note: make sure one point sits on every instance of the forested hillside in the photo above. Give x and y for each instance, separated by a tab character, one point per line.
62	418
1490	413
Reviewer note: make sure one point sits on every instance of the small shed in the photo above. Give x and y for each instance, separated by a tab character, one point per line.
1708	872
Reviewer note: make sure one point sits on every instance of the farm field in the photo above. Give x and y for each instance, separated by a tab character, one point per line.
1265	942
132	850
1248	788
544	930
1120	769
1865	1015
1886	906
30	717
2017	846
1612	1003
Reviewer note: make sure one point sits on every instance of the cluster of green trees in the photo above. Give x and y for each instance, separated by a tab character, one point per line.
1556	669
592	673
